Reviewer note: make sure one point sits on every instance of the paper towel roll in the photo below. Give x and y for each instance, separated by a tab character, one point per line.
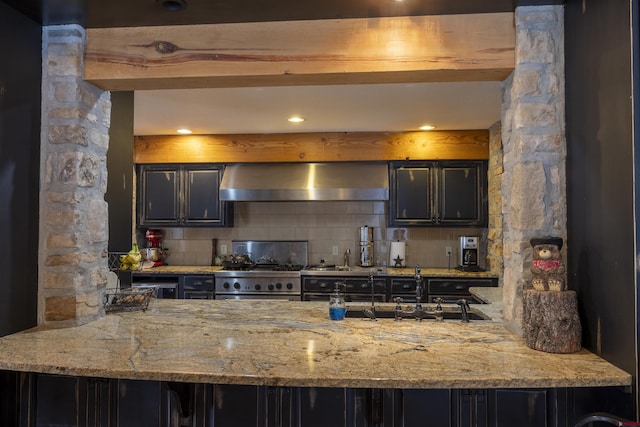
397	254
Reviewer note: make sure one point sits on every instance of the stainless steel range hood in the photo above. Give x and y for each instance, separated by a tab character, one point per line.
305	181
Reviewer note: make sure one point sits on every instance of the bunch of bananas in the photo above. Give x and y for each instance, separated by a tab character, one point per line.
131	260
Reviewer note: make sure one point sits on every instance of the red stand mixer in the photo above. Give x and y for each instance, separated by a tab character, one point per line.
154	251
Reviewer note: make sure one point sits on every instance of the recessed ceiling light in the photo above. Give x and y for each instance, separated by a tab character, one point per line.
427	127
296	119
184	131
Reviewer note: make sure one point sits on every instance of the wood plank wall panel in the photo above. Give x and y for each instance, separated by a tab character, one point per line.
313	147
349	51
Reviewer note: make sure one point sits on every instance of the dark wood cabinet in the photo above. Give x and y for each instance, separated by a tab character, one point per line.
44	400
57	400
525	407
173	195
452	289
198	287
445	193
177	286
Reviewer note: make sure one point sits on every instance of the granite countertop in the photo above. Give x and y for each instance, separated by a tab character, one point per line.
283	343
180	269
405	271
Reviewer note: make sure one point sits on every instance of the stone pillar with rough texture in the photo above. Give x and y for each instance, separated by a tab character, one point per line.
494	184
73	212
533	137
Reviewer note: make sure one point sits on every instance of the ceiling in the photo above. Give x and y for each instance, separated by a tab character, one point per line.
383	107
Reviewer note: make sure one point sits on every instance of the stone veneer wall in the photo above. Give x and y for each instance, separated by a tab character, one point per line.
533	136
494	189
73	212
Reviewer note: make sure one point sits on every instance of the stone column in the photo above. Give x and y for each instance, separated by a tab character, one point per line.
73	176
533	136
494	185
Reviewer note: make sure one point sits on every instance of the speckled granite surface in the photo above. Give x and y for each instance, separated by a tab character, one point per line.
295	344
180	269
433	272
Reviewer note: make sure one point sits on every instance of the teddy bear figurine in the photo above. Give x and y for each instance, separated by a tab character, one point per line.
547	266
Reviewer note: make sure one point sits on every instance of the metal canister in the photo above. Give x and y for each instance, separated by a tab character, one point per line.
366	246
366	254
366	234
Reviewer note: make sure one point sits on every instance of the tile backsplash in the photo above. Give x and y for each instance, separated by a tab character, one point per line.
324	225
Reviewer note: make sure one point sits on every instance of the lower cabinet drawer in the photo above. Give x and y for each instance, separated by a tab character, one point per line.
456	286
198	287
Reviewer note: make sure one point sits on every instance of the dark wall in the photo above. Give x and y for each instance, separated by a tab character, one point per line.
120	169
20	81
600	170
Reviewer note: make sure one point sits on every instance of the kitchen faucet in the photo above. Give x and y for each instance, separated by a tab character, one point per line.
371	312
419	286
464	307
418	311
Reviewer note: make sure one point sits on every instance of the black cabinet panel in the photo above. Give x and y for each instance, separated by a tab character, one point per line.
237	405
182	195
319	407
447	193
412	403
414	197
522	408
198	287
160	196
70	401
459	199
140	403
59	400
201	195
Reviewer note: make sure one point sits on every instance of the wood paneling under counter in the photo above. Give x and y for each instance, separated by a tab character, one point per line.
314	147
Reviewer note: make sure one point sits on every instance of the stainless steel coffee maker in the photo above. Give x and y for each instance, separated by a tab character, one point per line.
469	253
366	246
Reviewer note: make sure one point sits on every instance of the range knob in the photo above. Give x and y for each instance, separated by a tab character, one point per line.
226	285
236	285
258	287
278	285
289	285
271	286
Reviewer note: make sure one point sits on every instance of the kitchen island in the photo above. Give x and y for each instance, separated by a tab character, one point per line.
295	344
287	344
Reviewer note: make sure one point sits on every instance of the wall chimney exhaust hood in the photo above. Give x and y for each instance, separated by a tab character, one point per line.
305	181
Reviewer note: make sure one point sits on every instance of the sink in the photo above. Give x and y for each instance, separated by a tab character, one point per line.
448	314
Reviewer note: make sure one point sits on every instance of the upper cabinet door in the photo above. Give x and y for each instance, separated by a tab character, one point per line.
182	195
438	194
461	193
159	191
201	195
412	197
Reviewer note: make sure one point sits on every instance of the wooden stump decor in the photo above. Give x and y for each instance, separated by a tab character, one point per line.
551	321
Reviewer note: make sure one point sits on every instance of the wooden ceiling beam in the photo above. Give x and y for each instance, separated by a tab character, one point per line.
477	47
313	147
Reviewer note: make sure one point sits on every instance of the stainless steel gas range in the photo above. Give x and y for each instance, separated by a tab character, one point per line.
274	273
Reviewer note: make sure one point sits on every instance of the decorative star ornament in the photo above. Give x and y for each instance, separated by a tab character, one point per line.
398	261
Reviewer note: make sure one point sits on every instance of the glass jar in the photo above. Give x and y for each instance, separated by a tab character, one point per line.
337	305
